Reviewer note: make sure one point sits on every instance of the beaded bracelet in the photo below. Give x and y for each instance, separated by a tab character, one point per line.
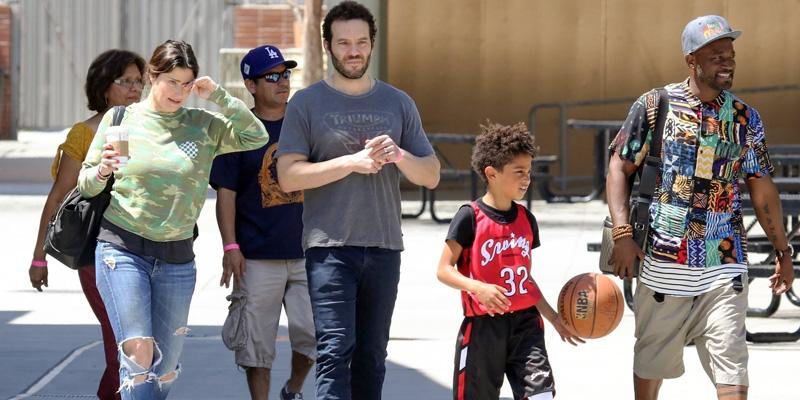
622	228
620	236
619	232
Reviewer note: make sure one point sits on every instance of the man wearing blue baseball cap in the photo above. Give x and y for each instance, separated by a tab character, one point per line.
692	284
261	229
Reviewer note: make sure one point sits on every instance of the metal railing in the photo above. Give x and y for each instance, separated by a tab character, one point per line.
564	126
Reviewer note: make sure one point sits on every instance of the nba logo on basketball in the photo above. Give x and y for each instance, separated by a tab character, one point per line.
590	305
582	306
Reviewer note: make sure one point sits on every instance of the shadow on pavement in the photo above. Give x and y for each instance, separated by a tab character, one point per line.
65	361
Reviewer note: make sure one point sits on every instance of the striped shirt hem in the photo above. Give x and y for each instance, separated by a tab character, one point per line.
679	280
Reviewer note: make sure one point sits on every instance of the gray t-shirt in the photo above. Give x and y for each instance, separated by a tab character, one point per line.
323	123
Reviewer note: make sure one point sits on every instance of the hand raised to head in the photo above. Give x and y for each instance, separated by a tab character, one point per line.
203	87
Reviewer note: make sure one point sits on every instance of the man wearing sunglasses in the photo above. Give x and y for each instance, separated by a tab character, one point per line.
261	229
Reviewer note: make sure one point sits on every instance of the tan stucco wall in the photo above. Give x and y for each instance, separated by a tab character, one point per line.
464	61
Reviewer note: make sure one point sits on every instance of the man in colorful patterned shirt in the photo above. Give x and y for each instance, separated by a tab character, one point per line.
693	281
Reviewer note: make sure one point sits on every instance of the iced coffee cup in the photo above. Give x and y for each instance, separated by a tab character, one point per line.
118	137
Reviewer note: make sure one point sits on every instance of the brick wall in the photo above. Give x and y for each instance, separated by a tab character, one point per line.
254	25
5	72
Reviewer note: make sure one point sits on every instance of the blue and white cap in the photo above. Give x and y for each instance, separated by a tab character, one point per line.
704	30
262	59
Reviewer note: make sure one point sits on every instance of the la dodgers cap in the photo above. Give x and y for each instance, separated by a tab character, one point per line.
704	30
261	59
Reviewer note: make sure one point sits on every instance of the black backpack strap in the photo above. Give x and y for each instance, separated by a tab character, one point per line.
651	168
661	120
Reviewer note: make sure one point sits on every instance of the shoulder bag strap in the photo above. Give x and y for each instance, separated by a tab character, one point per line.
651	167
119	113
661	120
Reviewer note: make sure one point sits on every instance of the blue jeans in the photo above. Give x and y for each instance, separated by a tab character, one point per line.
145	298
352	290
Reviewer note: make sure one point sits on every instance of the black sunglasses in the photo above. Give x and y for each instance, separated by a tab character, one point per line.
274	77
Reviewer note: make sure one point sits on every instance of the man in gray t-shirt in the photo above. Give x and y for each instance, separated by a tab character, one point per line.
325	125
345	141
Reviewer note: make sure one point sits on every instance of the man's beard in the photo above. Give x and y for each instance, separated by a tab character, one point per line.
712	82
340	67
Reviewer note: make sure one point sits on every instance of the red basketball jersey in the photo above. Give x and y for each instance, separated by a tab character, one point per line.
500	255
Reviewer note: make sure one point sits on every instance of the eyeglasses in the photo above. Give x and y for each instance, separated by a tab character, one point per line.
176	84
274	77
130	84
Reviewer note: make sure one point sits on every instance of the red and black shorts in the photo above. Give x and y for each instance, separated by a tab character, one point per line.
510	345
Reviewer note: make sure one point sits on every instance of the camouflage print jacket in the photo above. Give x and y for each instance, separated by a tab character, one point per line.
158	195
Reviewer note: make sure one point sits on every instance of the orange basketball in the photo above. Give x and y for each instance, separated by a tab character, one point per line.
591	305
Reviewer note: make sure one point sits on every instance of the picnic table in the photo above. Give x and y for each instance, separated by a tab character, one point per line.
786	160
540	174
447	173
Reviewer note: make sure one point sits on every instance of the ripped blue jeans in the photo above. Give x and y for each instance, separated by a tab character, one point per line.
145	299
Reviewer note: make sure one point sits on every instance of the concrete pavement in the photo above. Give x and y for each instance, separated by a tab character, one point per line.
50	341
27	160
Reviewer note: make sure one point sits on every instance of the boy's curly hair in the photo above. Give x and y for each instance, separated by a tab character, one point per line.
497	144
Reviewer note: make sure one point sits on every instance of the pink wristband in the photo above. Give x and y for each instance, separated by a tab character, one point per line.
230	246
39	264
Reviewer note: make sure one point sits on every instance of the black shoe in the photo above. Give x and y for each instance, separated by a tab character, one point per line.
286	395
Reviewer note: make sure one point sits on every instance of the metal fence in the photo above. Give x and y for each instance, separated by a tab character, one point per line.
604	131
59	39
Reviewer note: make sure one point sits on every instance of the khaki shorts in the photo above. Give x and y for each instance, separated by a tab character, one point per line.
265	286
714	321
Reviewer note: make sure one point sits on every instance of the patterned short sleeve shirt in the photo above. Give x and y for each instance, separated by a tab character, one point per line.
696	217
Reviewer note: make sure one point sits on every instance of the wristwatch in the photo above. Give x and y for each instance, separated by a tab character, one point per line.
788	250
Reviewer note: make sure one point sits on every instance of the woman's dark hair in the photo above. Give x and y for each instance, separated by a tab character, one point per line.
170	55
498	144
103	70
346	11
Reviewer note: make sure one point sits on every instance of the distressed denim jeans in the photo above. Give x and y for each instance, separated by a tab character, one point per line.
353	291
145	298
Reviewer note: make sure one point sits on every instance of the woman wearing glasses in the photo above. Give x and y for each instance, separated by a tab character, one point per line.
144	259
114	79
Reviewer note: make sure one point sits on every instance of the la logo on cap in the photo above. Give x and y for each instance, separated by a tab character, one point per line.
271	53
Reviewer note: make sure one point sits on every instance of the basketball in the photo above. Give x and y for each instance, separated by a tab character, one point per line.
590	305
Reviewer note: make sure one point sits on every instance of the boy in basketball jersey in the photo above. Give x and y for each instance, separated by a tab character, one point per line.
487	255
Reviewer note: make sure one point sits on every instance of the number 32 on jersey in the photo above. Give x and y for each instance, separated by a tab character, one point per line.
515	279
